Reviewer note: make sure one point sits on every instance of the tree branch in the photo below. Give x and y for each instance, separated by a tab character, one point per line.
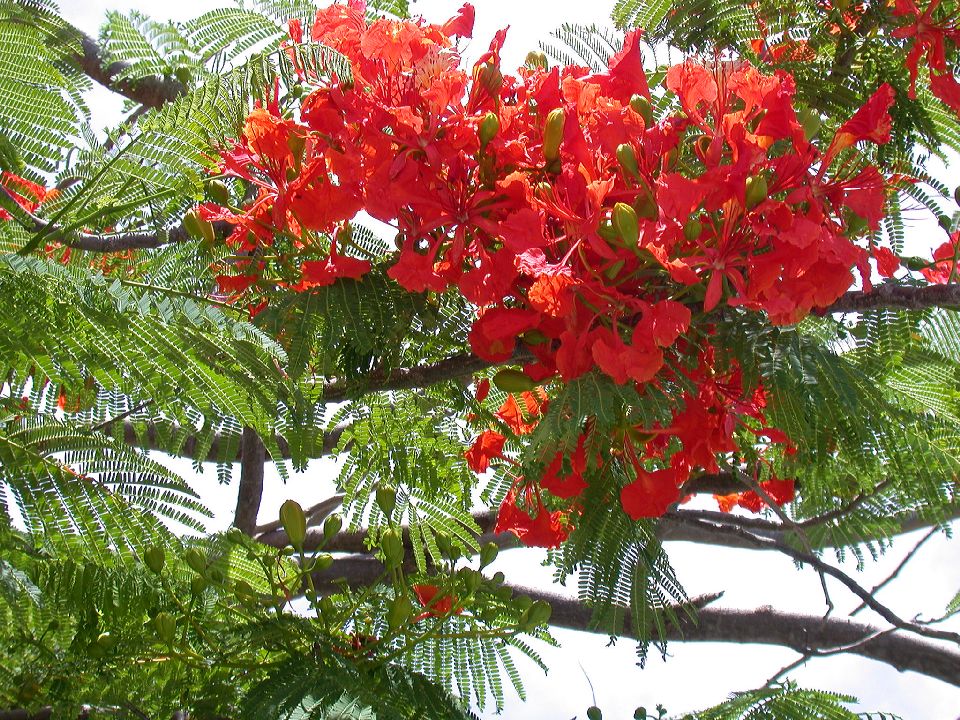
805	634
893	296
252	461
152	91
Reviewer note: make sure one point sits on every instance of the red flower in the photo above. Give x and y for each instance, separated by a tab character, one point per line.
944	268
436	607
780	491
494	334
570	485
235	284
871	122
651	494
887	262
487	446
546	529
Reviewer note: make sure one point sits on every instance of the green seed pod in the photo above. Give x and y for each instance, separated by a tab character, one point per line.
165	626
642	107
510	380
536	59
294	523
625	221
196	560
331	526
693	228
593	713
488	553
198	229
627	157
392	545
553	134
218	192
386	498
489	127
756	191
399	612
154	558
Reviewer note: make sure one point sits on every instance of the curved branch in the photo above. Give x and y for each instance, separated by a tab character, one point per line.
252	461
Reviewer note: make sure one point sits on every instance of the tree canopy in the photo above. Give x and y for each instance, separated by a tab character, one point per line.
666	259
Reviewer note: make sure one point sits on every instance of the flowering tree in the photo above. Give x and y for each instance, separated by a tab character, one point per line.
543	307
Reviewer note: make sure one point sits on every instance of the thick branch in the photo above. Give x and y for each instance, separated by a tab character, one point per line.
151	91
252	461
805	634
893	296
801	633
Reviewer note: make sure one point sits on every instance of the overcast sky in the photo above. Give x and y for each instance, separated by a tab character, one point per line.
695	675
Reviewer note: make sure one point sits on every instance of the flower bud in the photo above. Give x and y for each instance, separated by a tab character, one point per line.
510	380
594	713
645	205
399	612
294	523
331	526
198	585
756	191
489	77
198	228
553	134
322	562
196	560
154	558
693	228
392	545
235	535
627	157
488	553
956	195
489	127
536	59
625	221
642	107
386	496
218	192
165	626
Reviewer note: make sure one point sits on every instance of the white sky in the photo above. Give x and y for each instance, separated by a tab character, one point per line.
696	675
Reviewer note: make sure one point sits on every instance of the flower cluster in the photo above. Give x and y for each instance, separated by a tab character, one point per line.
585	225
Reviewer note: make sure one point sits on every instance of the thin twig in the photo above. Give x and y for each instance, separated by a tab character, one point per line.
903	563
122	416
